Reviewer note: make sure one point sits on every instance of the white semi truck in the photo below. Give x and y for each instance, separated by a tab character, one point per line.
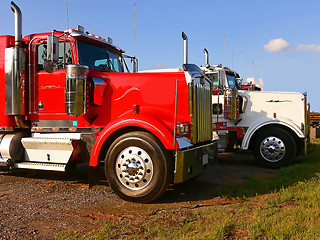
274	125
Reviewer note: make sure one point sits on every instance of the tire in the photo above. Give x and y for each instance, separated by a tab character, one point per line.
138	168
274	148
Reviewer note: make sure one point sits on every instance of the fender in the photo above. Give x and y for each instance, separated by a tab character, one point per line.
268	121
157	128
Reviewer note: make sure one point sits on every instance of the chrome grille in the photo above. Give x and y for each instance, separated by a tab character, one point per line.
201	113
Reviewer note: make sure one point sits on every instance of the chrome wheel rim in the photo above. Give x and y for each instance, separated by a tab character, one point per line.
134	168
272	149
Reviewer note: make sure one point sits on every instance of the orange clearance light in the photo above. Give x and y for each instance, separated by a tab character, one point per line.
55	129
38	129
72	129
274	115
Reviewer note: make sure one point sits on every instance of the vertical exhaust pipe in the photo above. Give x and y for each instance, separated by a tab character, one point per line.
18	23
14	83
206	56
185	47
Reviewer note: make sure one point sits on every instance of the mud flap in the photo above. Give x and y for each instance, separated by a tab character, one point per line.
94	176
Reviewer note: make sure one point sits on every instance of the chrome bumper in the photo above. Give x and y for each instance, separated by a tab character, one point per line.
191	162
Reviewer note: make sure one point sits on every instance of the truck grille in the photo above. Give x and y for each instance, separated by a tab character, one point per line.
201	110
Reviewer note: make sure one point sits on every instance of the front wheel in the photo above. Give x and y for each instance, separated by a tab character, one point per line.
274	148
138	168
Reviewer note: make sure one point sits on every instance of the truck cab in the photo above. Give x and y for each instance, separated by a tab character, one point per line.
274	125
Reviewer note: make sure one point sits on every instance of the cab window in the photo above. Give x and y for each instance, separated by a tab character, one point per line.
214	78
42	56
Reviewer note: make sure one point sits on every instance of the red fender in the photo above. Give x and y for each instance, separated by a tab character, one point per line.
164	134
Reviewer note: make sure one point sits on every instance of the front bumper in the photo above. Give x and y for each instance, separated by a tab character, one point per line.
190	162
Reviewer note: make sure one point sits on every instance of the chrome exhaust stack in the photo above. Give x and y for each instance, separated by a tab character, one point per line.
14	70
185	47
18	24
206	56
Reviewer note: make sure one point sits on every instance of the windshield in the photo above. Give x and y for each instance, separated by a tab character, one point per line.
232	81
99	57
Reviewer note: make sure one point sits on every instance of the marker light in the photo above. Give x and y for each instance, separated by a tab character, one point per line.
182	128
72	129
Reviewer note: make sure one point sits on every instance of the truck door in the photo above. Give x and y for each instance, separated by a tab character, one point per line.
50	87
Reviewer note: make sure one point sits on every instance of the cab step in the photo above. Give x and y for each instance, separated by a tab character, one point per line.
50	149
41	166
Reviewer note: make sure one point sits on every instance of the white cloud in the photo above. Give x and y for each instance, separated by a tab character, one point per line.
309	48
276	45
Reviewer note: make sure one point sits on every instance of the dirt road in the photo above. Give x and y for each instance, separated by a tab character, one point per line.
38	205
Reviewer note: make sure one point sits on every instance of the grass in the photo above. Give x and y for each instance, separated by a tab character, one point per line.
305	167
285	206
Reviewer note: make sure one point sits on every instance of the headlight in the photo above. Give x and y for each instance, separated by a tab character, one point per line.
182	128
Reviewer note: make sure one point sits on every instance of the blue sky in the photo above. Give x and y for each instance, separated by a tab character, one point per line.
281	37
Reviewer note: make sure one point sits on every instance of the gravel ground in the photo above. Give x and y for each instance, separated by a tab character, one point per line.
38	204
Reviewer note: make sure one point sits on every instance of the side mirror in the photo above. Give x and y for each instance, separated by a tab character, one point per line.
52	53
239	81
134	61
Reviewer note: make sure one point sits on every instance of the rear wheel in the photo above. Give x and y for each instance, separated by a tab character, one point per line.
138	168
274	148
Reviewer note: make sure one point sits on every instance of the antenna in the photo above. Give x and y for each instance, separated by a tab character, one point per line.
67	15
261	83
225	49
241	64
253	71
232	60
134	27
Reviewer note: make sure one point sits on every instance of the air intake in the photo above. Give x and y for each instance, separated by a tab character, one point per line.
76	77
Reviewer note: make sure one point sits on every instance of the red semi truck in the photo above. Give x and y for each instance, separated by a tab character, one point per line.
66	97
